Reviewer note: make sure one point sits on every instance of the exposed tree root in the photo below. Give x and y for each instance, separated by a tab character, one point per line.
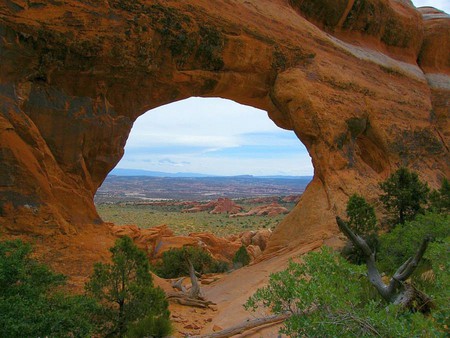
248	325
185	299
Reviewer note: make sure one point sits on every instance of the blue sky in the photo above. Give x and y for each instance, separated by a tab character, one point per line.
213	136
220	137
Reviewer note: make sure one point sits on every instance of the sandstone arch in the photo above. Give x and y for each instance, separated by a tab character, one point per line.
365	88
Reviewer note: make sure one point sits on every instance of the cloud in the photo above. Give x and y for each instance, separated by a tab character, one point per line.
168	161
213	136
180	138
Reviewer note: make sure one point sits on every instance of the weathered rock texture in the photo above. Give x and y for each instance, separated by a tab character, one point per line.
157	240
223	205
364	85
270	210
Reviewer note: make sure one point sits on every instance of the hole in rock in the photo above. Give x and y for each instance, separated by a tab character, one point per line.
182	157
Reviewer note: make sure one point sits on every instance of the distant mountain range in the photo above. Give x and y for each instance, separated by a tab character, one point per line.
141	172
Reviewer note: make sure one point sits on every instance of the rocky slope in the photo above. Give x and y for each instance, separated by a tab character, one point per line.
364	85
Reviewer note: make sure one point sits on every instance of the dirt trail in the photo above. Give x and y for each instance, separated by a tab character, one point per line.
232	291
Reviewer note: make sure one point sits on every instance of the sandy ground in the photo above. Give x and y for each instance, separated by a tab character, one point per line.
230	293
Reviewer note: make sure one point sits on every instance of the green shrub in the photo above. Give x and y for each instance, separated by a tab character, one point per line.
403	241
125	288
361	215
329	297
404	195
30	306
438	285
241	257
174	262
220	267
150	326
440	199
362	220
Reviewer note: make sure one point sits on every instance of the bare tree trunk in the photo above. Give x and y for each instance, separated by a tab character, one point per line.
184	299
195	289
248	325
396	291
179	285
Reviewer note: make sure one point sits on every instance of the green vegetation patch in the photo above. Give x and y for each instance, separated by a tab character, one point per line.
402	242
205	43
241	257
377	18
147	216
174	263
329	297
356	126
32	300
329	12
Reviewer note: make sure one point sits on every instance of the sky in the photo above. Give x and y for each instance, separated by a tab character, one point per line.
219	137
439	4
213	136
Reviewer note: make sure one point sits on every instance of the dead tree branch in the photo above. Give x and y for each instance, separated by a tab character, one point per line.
179	285
184	299
248	325
195	289
396	291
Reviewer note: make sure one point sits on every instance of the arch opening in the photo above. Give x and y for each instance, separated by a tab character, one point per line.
187	156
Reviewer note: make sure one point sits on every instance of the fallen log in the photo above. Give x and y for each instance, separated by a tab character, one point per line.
185	299
248	325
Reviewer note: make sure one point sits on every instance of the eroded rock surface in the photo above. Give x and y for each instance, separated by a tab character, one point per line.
273	209
223	205
157	240
364	85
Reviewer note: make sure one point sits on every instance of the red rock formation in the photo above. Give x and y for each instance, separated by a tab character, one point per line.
226	206
219	247
221	206
261	238
254	251
75	75
260	200
245	238
292	199
199	207
434	60
272	209
157	240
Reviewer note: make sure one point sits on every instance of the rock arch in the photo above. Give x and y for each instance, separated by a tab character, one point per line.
364	95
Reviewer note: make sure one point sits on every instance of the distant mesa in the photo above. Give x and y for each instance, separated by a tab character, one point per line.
221	206
273	199
270	210
150	173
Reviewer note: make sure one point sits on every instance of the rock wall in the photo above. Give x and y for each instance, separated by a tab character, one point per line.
363	83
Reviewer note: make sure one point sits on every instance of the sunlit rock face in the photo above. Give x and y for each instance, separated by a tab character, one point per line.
364	85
